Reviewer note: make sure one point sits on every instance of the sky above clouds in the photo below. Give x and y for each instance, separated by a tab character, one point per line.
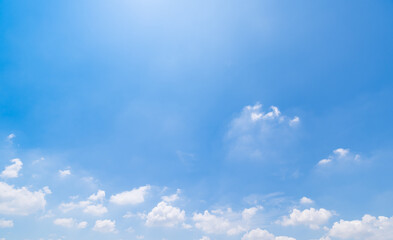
202	120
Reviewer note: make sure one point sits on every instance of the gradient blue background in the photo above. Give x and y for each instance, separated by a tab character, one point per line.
143	92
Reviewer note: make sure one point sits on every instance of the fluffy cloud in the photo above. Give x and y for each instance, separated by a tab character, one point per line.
259	234
99	196
215	224
64	173
96	210
312	218
20	201
133	197
306	201
46	190
12	171
69	223
172	197
82	225
105	226
340	158
89	206
368	228
248	213
258	135
165	215
6	223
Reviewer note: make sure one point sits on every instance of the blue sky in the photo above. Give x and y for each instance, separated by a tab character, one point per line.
205	120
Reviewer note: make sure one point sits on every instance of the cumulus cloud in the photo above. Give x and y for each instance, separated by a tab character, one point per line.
96	210
89	206
248	213
133	197
20	201
64	173
12	171
165	215
312	218
258	135
69	223
99	196
220	222
105	226
368	228
172	197
82	225
306	201
6	223
340	158
259	234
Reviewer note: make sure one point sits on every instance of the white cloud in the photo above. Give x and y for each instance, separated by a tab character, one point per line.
6	223
99	196
66	207
204	238
11	136
129	215
12	171
340	158
256	114
89	206
368	228
312	218
259	234
165	215
47	190
82	225
96	210
105	226
213	224
48	214
295	121
137	215
64	173
258	135
248	213
69	223
64	222
172	197
133	197
20	201
306	201
341	152
324	162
